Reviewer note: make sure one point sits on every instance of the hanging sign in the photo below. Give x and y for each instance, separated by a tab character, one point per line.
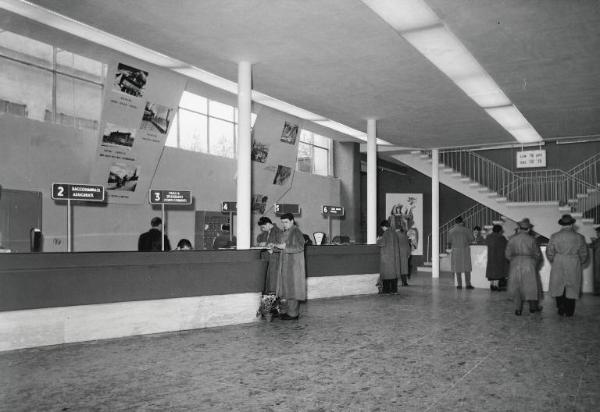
178	197
332	210
531	158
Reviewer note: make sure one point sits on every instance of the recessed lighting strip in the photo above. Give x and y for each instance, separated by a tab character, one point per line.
425	31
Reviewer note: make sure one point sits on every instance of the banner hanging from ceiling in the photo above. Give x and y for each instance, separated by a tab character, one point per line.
139	106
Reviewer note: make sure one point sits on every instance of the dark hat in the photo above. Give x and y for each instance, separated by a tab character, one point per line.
566	220
264	220
525	224
384	223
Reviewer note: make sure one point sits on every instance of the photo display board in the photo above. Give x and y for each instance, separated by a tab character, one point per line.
140	102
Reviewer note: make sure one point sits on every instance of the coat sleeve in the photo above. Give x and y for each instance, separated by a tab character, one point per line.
583	250
295	242
551	250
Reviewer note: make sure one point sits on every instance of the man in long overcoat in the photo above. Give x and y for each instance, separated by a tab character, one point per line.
567	251
291	278
497	264
459	239
524	255
405	251
269	235
389	258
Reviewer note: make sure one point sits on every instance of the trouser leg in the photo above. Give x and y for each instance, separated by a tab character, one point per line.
533	306
518	302
458	278
569	305
468	278
293	307
404	281
393	285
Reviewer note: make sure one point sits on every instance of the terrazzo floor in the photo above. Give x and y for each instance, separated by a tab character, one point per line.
429	348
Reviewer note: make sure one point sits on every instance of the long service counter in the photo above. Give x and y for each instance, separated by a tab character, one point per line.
53	298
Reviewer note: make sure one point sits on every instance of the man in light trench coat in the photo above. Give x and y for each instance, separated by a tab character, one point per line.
567	251
459	240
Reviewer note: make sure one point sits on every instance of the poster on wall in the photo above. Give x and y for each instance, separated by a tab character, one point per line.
407	212
138	108
531	158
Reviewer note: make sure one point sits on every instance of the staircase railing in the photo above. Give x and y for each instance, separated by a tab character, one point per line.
588	170
478	215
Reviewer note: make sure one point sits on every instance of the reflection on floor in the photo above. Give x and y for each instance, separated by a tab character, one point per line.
429	348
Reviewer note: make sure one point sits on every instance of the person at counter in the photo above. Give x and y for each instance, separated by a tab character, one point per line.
497	266
150	241
478	236
459	239
269	236
291	278
523	280
389	259
184	244
224	240
567	252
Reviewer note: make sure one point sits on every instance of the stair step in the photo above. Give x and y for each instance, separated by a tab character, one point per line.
488	227
498	222
465	179
587	221
455	174
501	199
571	201
577	215
424	156
564	209
582	195
415	152
590	191
484	189
448	170
474	184
492	195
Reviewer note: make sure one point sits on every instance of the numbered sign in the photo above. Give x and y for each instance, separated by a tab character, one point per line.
332	210
229	207
167	197
283	208
72	191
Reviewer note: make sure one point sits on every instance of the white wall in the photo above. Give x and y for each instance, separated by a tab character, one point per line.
35	154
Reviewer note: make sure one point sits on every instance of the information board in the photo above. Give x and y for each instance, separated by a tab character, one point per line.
73	191
332	210
167	197
229	207
531	158
283	208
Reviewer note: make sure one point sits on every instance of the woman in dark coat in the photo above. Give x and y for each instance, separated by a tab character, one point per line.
497	265
389	259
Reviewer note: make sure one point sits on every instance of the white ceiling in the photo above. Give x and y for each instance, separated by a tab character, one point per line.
338	59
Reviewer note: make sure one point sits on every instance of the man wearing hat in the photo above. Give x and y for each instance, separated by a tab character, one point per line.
524	255
459	239
567	251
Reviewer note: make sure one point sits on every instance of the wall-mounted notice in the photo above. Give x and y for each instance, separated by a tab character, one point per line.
138	109
229	207
71	191
170	197
332	210
283	208
531	158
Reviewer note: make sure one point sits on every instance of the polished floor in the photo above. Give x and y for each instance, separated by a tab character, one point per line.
429	348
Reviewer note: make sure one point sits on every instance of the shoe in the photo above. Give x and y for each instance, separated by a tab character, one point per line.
459	287
494	288
538	309
285	316
470	287
518	312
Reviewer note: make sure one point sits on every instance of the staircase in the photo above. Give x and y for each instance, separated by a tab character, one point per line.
543	196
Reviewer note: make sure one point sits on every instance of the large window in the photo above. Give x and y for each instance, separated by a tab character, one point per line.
43	82
206	126
314	154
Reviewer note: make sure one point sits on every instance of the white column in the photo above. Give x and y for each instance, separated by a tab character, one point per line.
244	164
371	182
435	214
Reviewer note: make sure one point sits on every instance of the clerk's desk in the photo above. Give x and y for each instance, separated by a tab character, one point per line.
479	262
53	298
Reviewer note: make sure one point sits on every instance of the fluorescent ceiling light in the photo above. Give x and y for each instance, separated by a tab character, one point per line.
76	28
445	51
483	90
526	135
440	46
508	116
404	15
